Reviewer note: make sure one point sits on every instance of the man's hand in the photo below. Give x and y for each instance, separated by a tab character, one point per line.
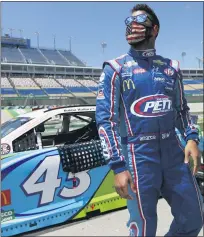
192	150
121	182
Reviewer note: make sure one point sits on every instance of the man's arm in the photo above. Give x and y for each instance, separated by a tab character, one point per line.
107	118
183	120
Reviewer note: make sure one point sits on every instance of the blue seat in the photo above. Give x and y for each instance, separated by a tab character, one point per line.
7	91
93	88
190	92
192	81
78	89
56	90
30	91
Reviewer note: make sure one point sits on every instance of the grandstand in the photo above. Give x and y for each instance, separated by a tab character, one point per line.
44	76
39	76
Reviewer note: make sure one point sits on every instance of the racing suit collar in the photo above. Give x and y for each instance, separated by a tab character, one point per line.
142	53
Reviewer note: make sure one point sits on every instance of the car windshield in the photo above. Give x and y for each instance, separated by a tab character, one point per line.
12	125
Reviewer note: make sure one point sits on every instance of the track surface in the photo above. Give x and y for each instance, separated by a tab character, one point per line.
112	224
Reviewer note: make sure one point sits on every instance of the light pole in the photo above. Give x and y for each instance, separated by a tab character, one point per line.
103	45
70	43
11	31
54	36
199	61
37	33
183	54
21	31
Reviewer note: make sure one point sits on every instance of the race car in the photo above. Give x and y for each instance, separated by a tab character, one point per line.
53	170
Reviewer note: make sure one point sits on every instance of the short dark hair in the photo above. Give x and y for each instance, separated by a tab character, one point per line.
147	9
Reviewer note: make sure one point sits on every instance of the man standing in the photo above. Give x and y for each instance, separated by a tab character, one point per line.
139	104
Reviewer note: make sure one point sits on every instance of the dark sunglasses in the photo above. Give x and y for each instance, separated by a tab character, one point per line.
139	19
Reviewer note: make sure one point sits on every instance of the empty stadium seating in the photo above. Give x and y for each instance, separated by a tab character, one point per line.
193	86
6	87
79	82
51	86
5	83
39	56
11	55
26	86
33	56
89	83
192	81
25	92
74	61
17	86
8	92
69	82
54	57
21	83
47	83
73	85
78	85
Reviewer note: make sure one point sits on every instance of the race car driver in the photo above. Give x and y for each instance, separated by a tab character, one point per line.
140	103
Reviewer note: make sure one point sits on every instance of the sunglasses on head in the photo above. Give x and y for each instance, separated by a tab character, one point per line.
139	19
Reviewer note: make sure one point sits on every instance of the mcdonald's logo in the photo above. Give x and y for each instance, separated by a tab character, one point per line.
5	198
129	84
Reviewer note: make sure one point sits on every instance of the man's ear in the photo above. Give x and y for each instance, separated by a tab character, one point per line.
155	30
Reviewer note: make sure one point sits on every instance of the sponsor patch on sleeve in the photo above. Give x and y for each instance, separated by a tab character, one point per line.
105	143
169	71
100	95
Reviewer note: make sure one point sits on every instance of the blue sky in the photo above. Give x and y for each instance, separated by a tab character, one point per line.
91	23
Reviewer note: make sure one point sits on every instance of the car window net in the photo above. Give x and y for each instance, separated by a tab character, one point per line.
81	156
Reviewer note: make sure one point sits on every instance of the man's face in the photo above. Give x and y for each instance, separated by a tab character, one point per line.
148	22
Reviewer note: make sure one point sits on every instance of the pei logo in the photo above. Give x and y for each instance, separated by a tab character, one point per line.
5	198
151	106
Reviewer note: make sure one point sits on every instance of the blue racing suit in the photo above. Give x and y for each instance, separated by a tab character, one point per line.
140	103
